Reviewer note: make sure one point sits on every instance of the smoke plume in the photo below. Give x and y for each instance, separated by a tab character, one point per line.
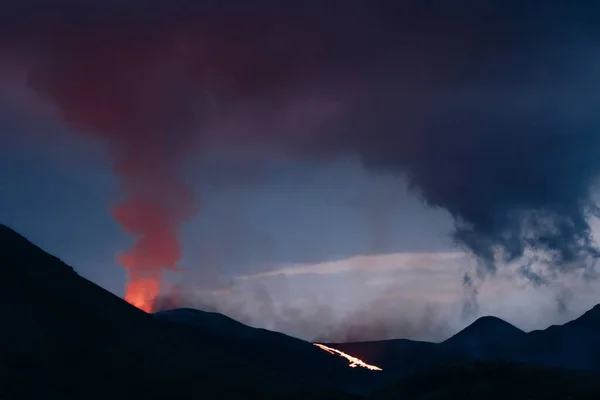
485	106
378	319
470	308
91	83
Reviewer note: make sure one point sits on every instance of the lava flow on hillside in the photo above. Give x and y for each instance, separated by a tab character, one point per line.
354	362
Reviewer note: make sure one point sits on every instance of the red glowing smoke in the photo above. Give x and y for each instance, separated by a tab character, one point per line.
147	90
115	89
424	94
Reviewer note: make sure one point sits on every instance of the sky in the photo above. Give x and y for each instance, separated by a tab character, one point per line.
349	172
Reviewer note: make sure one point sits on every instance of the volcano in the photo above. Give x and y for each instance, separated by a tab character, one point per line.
63	337
74	339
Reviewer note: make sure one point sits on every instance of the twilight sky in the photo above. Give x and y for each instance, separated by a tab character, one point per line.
330	172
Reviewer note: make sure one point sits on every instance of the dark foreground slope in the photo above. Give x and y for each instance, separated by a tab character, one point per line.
63	337
495	381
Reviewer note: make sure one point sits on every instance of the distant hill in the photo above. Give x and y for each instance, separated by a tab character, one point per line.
486	338
63	337
486	331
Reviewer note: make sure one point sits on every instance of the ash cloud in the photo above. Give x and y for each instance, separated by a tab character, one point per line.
486	108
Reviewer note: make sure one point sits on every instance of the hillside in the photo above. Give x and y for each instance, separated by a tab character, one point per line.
213	322
397	357
274	350
64	337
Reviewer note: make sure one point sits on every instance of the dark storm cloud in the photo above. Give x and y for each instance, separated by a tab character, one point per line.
486	106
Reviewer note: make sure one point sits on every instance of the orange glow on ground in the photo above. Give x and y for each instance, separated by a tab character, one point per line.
142	292
354	362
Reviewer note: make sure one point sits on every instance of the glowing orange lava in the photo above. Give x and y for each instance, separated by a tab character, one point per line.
142	292
354	362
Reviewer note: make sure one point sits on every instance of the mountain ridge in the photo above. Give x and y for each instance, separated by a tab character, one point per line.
573	345
66	337
77	340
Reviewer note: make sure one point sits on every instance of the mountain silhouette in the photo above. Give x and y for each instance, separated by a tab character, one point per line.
486	338
574	345
486	331
63	337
